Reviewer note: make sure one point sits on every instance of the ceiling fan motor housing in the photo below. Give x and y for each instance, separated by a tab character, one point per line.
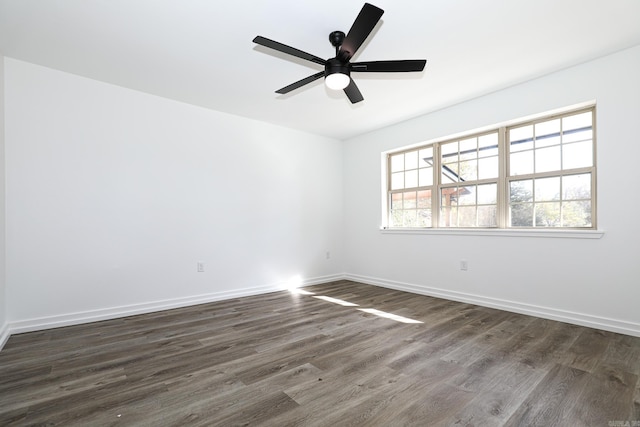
334	65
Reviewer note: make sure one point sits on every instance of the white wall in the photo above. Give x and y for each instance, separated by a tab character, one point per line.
114	195
4	329
591	282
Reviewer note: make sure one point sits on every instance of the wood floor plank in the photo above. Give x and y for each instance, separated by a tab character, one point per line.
472	349
342	393
585	353
287	359
552	349
435	407
500	395
69	409
551	402
607	395
623	353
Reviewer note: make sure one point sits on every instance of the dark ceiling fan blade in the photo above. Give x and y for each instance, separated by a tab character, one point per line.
300	83
288	49
389	66
353	92
360	30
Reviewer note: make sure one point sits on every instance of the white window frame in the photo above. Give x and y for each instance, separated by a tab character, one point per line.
503	228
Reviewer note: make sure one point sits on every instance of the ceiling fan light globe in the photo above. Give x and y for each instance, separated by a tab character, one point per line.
337	81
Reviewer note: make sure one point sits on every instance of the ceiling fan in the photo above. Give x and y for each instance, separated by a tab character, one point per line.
337	70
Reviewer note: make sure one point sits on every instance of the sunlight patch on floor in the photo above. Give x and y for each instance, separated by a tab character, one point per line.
337	301
293	288
389	315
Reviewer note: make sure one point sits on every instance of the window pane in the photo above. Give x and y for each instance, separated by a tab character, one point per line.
409	218
488	145
448	196
466	216
521	191
576	214
396	201
577	121
411	160
547	214
449	162
395	219
577	135
397	162
547	189
397	180
424	199
467	195
488	168
448	216
521	214
450	150
577	155
409	200
425	157
450	173
469	170
411	179
547	133
425	177
521	163
576	187
487	194
548	159
521	138
487	216
424	218
469	149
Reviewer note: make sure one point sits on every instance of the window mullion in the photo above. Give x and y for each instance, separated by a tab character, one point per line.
503	183
435	198
387	213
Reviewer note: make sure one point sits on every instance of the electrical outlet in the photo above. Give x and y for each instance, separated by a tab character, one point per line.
200	267
464	265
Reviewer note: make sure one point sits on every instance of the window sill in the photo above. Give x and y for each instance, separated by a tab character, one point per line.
495	232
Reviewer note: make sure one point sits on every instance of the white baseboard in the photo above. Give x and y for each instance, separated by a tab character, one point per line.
69	319
4	335
607	324
581	319
58	321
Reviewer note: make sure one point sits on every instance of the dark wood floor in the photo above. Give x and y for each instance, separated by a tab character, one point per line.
282	359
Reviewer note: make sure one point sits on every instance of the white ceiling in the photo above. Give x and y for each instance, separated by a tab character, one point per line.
201	51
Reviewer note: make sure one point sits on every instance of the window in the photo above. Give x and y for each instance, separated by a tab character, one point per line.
535	174
411	187
468	190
